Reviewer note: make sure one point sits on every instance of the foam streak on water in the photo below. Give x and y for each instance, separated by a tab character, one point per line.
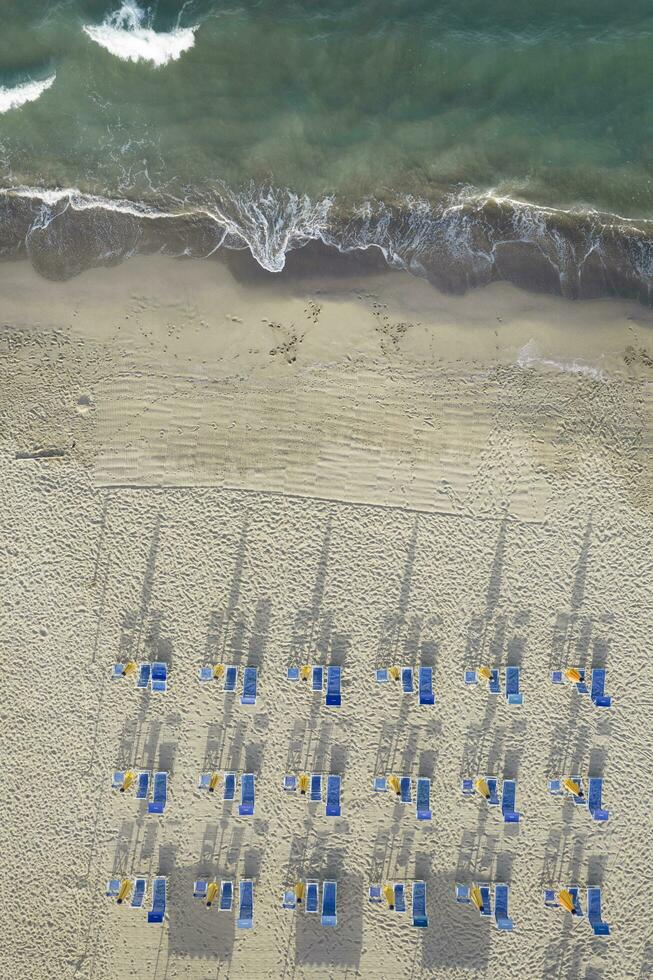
18	95
126	34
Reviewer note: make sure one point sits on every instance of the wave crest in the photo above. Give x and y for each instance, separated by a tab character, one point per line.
12	97
127	35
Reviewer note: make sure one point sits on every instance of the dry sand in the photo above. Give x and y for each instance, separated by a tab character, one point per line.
352	471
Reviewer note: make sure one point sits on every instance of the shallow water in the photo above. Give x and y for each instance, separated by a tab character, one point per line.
444	134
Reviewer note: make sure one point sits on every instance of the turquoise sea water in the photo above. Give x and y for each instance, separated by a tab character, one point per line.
467	141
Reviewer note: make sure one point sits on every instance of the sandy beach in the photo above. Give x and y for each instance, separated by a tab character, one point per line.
199	466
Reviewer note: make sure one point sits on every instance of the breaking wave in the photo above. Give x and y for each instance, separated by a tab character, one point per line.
127	34
12	97
463	240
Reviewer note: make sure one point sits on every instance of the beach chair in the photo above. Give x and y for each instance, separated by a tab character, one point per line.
229	791
471	677
159	793
246	808
512	686
230	679
375	894
142	785
594	793
316	788
290	783
508	794
293	673
380	784
117	780
289	900
425	685
138	894
332	808
117	672
245	918
205	674
552	900
501	917
200	888
329	889
333	695
159	677
113	887
597	693
400	898
407	680
404	783
599	927
143	679
312	897
558	677
462	894
226	897
420	918
249	686
382	676
423	798
486	907
159	893
317	682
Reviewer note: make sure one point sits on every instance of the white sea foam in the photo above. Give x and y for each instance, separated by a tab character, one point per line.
18	95
528	357
127	35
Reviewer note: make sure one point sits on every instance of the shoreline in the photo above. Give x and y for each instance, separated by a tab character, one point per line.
459	243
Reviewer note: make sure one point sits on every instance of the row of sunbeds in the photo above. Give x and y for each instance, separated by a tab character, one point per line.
486	899
311	785
155	678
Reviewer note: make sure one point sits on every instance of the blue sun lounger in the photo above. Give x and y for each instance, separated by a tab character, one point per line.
600	927
501	917
486	900
426	695
159	677
420	918
245	918
246	808
400	898
226	896
551	899
423	798
594	794
407	680
159	891
142	785
312	896
508	795
557	677
144	672
316	788
404	785
289	900
329	889
512	686
230	679
333	695
138	895
200	888
375	894
597	693
249	686
317	681
159	793
333	796
229	792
